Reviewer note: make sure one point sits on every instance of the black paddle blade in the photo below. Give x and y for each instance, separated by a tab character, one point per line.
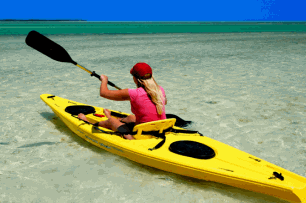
179	121
48	47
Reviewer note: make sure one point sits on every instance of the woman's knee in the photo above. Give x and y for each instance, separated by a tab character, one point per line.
131	118
114	123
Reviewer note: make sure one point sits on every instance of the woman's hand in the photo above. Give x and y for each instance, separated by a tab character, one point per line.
104	78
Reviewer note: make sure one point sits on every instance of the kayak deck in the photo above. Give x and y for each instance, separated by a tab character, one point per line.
228	165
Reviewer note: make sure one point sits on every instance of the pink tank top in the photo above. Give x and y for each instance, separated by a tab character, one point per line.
143	107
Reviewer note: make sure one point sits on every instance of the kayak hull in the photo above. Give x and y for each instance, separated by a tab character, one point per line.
229	166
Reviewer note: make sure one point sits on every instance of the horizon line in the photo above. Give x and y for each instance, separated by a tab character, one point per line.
151	20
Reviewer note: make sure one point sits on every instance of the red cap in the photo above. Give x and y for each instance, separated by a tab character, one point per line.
141	71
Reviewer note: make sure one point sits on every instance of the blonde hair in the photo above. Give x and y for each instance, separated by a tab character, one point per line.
154	92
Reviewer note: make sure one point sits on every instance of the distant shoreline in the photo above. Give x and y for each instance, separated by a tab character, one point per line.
159	22
38	20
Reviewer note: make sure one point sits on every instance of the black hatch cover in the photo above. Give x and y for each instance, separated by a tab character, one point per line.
75	110
192	149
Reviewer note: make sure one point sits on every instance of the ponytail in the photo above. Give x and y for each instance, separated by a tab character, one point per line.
154	92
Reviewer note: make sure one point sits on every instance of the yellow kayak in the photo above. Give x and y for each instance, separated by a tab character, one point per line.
162	145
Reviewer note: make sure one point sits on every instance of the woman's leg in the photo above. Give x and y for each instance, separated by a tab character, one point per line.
129	119
114	123
110	123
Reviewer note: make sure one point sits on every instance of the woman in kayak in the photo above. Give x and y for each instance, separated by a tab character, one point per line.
148	101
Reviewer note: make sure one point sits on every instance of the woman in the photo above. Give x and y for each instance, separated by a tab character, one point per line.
147	101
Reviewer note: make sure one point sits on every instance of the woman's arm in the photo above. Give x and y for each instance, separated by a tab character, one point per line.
117	95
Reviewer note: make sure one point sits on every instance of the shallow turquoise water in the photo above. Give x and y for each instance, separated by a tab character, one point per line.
70	27
243	89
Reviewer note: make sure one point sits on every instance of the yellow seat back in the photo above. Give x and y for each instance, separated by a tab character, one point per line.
159	126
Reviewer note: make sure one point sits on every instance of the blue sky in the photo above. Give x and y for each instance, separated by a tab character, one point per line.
156	10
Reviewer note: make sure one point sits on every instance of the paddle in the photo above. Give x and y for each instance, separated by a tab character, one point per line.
56	52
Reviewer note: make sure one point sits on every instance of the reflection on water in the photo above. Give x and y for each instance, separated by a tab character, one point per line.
37	144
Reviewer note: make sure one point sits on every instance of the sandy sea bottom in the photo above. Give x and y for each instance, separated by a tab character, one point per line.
243	89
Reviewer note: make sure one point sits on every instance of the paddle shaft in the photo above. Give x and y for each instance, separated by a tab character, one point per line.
96	75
